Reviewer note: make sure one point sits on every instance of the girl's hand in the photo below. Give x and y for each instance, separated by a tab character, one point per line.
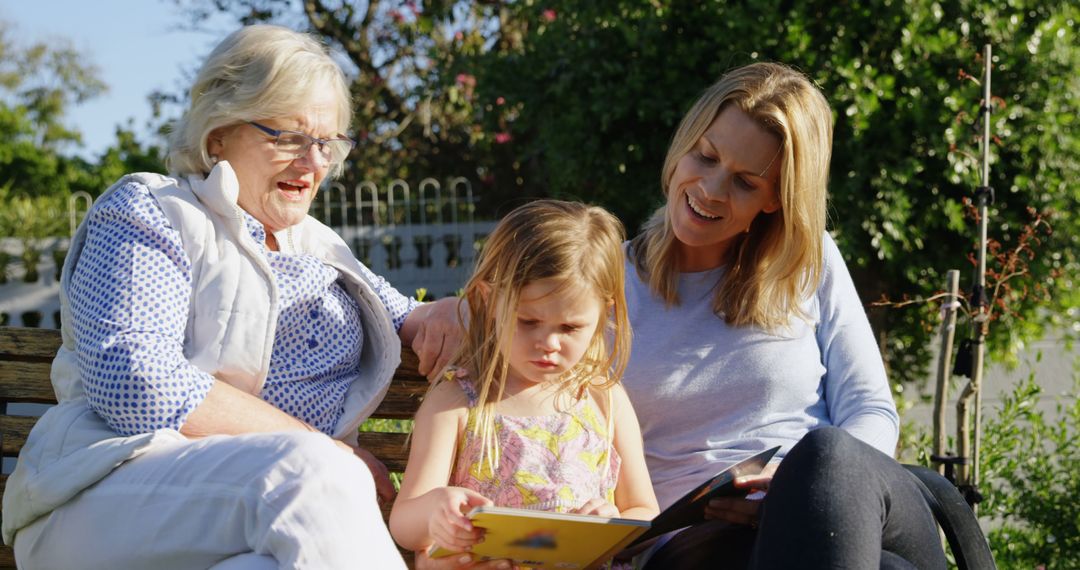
598	507
448	526
744	511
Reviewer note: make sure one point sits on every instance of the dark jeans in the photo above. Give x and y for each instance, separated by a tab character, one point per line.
835	502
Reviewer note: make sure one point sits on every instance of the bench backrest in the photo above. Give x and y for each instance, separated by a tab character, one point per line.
26	355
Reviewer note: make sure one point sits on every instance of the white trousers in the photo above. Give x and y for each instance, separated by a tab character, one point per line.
279	500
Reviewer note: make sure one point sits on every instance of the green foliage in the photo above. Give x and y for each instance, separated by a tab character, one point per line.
579	100
44	80
126	155
1031	473
592	93
32	218
387	426
1030	476
29	219
38	83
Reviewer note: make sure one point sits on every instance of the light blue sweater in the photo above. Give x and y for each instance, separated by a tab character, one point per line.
708	394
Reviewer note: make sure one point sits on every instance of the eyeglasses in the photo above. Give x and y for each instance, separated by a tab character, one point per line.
297	144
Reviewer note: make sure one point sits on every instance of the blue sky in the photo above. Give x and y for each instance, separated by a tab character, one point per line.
137	45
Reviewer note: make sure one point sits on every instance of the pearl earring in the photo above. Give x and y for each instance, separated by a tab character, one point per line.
215	158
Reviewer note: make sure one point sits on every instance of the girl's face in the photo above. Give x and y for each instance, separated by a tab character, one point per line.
277	188
719	187
554	326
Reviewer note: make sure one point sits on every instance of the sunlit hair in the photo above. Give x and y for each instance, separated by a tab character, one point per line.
777	264
256	73
576	245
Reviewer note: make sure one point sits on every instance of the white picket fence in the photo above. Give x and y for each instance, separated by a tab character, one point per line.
423	238
30	291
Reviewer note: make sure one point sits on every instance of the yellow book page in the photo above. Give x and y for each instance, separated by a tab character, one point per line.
550	540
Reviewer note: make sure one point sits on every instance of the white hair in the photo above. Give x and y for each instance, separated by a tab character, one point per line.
257	72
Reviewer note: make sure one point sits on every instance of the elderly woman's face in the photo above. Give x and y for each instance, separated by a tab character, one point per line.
277	188
719	187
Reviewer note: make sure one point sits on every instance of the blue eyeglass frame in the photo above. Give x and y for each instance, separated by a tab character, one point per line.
314	140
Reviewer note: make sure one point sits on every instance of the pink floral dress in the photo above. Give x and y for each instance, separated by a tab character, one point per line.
553	462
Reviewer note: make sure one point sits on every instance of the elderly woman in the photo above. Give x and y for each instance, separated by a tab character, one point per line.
220	347
749	334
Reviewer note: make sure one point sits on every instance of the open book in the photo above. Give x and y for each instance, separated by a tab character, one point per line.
541	539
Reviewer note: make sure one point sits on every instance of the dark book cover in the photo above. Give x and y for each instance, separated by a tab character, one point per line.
690	508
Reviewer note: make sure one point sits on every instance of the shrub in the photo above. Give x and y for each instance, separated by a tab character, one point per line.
1031	480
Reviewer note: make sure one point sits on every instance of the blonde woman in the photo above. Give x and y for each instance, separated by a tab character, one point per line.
748	333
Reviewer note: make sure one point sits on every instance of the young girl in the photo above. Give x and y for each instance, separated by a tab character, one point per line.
532	415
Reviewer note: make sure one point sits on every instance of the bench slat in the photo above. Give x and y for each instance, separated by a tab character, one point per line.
390	448
20	343
402	399
25	382
13	433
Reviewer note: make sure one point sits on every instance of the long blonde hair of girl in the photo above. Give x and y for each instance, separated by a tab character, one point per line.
570	242
778	263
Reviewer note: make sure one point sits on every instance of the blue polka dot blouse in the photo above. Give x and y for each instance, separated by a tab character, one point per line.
130	293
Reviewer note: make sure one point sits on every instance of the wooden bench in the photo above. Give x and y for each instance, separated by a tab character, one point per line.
26	355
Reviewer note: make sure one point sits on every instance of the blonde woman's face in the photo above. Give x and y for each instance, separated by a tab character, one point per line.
730	177
553	329
276	188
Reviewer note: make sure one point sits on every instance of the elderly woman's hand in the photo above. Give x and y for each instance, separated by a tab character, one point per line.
459	562
384	487
434	332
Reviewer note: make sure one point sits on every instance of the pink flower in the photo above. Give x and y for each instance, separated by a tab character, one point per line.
503	138
458	36
500	101
464	79
549	15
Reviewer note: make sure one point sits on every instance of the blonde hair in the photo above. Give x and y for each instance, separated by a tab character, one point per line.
257	72
571	243
776	265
